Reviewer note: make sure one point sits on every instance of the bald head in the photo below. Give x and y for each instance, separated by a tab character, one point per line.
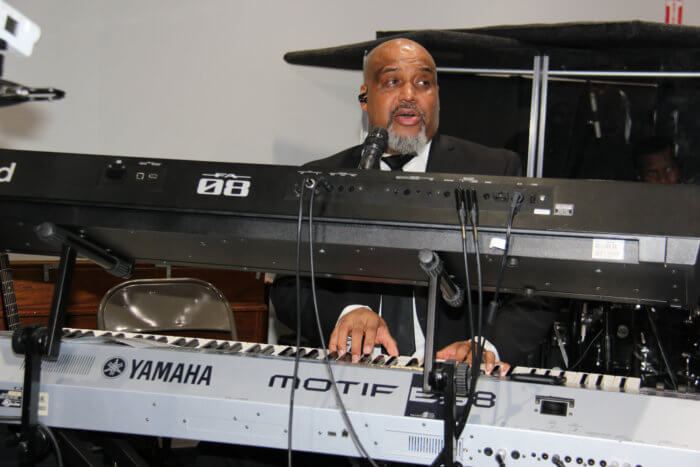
400	82
394	49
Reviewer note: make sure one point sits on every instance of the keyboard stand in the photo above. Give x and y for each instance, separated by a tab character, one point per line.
36	342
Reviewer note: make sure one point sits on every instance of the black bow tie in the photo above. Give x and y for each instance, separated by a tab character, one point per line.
397	161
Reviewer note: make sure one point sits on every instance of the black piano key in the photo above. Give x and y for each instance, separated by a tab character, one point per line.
390	361
366	358
229	347
599	381
623	380
151	337
312	354
379	360
346	358
510	371
286	352
268	350
162	339
181	342
333	356
413	362
582	382
192	343
209	345
254	349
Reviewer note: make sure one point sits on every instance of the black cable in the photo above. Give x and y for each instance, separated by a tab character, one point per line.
54	441
476	358
460	194
298	341
461	210
661	350
514	207
585	352
339	400
478	338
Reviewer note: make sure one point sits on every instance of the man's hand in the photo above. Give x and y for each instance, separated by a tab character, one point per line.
358	324
462	352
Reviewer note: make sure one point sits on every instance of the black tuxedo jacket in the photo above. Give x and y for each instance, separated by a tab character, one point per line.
518	327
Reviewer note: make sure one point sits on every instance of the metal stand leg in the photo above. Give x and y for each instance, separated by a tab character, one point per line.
36	342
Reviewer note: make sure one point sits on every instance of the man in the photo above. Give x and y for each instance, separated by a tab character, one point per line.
655	162
400	93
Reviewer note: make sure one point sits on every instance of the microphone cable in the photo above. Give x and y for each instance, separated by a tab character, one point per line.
329	369
461	194
477	346
467	209
514	208
311	184
298	323
460	197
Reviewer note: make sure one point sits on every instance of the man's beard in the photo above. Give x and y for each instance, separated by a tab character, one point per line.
407	144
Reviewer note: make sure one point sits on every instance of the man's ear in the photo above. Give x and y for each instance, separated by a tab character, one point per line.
362	97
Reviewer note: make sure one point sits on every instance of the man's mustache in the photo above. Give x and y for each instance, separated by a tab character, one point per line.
408	106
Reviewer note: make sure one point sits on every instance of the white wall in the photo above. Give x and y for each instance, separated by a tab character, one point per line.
206	79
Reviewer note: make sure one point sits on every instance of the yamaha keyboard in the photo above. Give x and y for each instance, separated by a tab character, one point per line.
235	392
599	240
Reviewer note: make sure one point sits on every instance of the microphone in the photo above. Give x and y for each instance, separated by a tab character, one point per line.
433	266
373	148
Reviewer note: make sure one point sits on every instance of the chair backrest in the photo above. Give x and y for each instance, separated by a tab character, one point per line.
177	304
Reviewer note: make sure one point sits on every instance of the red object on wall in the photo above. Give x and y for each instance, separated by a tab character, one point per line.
674	11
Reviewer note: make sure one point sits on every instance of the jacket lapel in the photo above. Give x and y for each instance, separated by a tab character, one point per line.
439	157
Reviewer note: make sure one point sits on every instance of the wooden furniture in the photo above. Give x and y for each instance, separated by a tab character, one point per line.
244	291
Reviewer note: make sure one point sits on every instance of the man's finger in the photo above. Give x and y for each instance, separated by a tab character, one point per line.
384	338
489	360
503	368
370	336
342	339
332	342
462	351
451	352
356	349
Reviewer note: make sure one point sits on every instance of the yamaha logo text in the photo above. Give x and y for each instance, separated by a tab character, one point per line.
164	372
224	184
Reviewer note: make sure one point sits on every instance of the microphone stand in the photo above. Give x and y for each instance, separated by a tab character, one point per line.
447	379
36	342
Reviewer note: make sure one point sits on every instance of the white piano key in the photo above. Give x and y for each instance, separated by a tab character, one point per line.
573	379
